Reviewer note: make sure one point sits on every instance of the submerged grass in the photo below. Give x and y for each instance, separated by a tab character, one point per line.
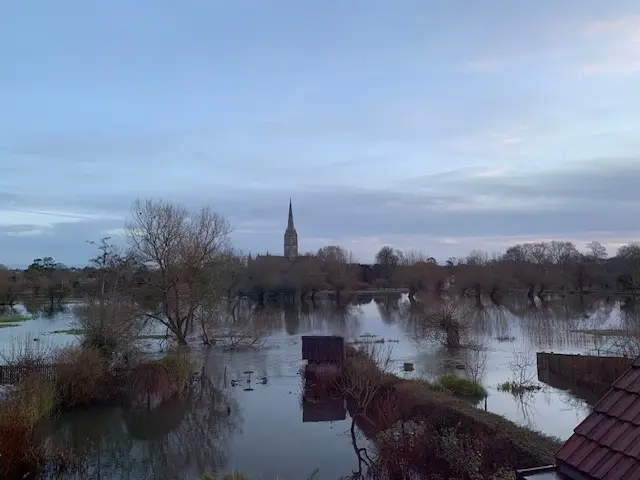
516	388
460	387
610	332
14	318
69	331
228	476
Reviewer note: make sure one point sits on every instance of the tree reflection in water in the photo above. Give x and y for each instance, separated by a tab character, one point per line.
184	438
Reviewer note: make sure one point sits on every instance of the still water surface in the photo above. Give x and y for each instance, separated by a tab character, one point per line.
257	427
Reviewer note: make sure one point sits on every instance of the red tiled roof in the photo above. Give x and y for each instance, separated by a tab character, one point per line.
606	445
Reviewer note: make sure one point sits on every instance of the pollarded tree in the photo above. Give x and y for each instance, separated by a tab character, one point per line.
187	255
388	259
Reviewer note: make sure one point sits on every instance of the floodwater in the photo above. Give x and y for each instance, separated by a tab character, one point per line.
253	422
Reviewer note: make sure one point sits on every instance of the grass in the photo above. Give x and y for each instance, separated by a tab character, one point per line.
14	318
461	387
228	476
369	338
516	388
609	332
70	331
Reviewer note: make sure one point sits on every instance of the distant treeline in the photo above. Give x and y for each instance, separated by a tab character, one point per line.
537	268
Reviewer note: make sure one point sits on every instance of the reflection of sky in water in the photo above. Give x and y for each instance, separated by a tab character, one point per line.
265	435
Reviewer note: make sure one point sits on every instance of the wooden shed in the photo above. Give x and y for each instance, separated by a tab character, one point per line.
317	349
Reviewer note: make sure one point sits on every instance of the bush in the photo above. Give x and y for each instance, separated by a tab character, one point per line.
33	400
155	382
80	373
178	366
461	387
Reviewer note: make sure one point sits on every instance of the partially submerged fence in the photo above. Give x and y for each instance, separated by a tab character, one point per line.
10	374
590	371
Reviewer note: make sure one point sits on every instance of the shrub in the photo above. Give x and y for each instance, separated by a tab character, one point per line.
178	366
462	387
80	373
32	401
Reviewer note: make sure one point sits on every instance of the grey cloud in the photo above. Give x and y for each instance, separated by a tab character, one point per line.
596	197
65	242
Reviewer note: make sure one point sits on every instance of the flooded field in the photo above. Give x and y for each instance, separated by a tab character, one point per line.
248	415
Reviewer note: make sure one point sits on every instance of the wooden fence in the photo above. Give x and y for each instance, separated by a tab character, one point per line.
13	374
590	371
323	349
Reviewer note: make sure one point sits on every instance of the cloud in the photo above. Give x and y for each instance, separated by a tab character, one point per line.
445	214
614	46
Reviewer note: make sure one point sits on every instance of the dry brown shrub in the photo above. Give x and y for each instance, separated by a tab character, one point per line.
31	401
150	384
80	374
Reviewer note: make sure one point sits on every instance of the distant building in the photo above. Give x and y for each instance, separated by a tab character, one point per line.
290	237
290	247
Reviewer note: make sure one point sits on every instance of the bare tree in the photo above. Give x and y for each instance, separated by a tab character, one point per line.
338	265
240	328
475	360
186	254
388	259
522	367
596	251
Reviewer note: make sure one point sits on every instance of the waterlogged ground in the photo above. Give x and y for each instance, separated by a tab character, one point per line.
257	426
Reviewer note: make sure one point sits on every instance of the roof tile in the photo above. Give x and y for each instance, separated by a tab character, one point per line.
629	381
574	443
632	410
601	429
620	469
618	430
625	401
625	443
598	455
589	423
606	445
604	467
609	400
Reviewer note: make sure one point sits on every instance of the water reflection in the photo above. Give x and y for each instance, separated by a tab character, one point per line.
261	427
183	438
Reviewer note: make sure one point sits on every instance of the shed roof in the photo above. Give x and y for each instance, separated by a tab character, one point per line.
606	445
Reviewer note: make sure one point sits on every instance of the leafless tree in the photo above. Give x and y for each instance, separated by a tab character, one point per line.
338	265
596	251
522	366
475	360
388	259
447	323
186	254
238	328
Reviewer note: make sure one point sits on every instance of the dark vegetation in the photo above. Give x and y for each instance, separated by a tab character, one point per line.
535	268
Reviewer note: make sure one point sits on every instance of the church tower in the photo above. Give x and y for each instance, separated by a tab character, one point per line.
290	237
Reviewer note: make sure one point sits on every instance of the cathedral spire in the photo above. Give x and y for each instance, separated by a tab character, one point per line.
290	237
290	223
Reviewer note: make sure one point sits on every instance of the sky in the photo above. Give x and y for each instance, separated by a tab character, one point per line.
420	124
